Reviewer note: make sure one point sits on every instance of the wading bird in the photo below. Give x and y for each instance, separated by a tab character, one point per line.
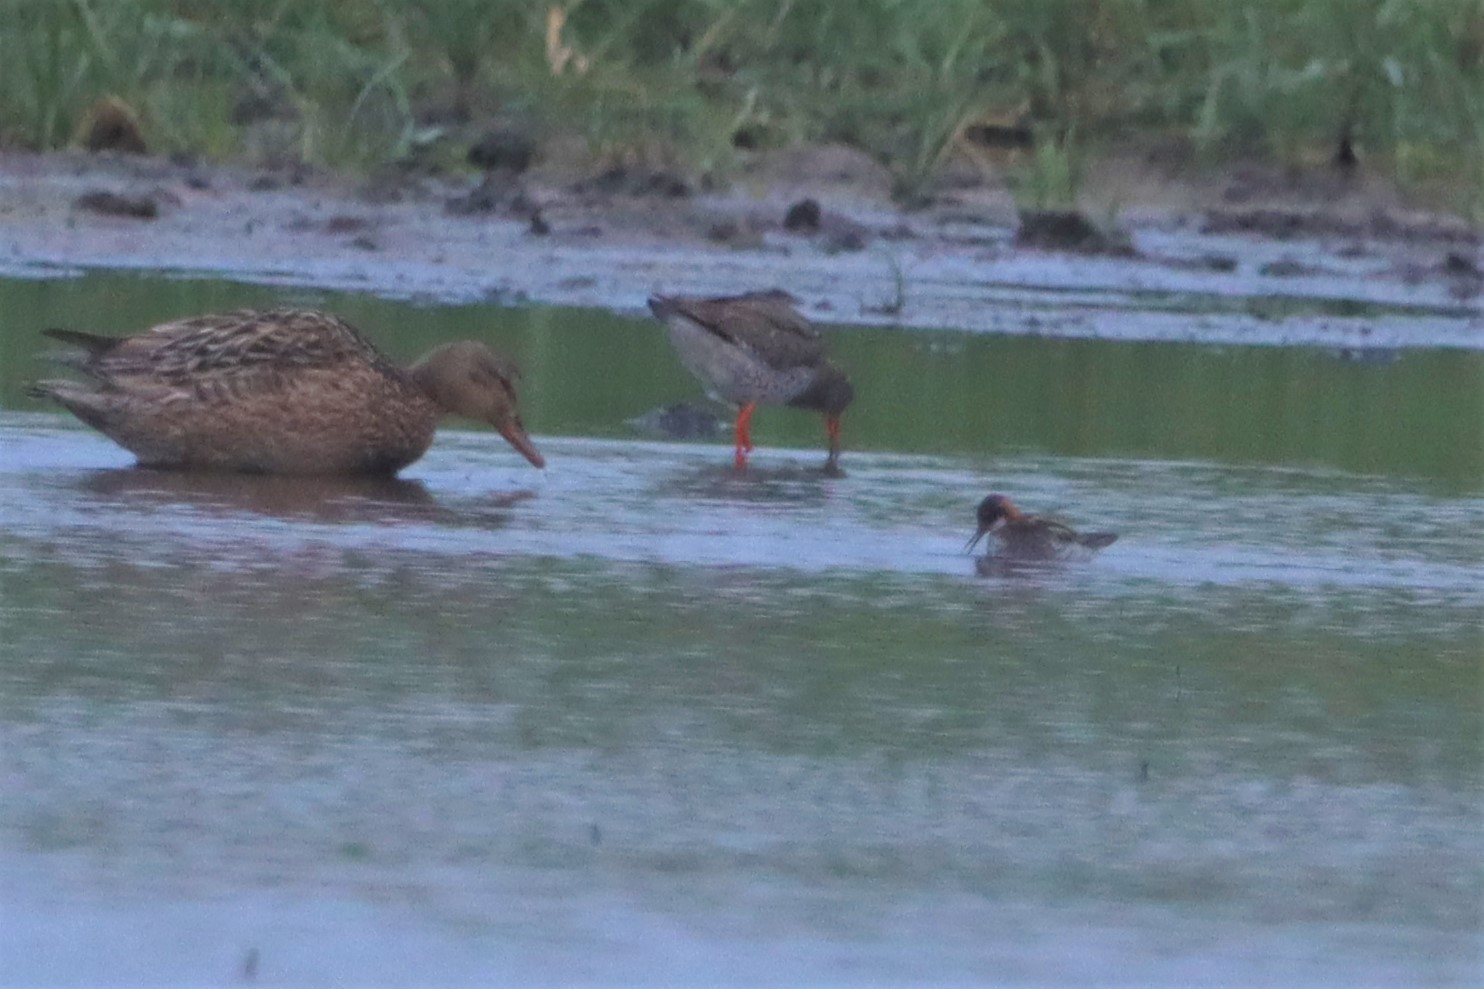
757	349
1031	538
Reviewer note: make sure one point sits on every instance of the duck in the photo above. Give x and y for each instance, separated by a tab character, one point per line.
278	391
757	349
1032	538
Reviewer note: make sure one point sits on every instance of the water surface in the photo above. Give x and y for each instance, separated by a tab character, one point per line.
640	719
1415	411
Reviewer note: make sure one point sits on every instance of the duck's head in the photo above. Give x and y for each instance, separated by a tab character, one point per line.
994	511
467	379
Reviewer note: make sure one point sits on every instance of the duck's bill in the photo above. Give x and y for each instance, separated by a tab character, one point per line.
974	540
516	437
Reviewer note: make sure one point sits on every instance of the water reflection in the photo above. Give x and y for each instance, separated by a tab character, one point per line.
591	373
339	720
765	481
322	499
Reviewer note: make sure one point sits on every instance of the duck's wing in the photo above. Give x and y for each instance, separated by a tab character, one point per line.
257	344
765	323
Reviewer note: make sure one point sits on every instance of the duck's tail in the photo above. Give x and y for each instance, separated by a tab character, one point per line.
57	390
94	407
39	389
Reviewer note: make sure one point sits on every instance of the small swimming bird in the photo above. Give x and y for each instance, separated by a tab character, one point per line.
1031	537
757	349
282	391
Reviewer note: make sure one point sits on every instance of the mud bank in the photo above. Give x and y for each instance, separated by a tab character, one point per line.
1237	269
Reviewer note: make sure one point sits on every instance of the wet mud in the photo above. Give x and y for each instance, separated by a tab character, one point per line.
1358	275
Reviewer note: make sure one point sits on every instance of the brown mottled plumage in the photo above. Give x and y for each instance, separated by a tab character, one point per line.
283	391
1030	537
757	349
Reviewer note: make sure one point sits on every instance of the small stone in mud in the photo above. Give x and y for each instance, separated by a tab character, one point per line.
1289	268
802	217
499	191
114	204
506	148
734	234
622	181
1287	224
845	237
681	421
538	226
1465	280
1460	265
502	295
1068	230
111	125
393	183
1367	355
280	173
724	231
1217	262
365	243
746	138
345	224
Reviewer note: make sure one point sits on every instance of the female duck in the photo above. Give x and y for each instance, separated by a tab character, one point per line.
283	391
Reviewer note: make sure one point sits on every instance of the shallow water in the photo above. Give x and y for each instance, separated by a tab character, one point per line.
1418	412
639	719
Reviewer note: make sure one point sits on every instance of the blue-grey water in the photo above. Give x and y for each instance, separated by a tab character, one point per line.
638	719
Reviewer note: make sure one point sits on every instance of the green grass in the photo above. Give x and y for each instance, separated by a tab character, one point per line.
350	83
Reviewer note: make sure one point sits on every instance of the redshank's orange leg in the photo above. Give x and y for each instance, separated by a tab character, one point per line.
744	433
744	426
832	430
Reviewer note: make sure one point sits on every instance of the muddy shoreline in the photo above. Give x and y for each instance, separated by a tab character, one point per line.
1231	265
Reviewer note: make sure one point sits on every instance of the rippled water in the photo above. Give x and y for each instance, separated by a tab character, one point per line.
640	719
